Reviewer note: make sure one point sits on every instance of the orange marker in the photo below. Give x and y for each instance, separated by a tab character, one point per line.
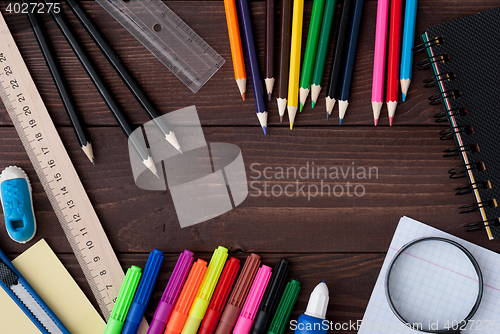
233	29
186	298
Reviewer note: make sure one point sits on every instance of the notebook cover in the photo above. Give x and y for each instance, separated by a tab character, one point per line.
473	46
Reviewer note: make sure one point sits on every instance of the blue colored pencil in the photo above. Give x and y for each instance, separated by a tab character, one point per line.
408	40
258	91
352	43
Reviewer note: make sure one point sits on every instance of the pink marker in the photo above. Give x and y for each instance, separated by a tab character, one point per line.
379	58
249	310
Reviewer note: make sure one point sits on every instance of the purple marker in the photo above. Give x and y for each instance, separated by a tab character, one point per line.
171	293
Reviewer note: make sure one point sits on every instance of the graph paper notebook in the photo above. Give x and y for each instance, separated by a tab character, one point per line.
378	316
465	58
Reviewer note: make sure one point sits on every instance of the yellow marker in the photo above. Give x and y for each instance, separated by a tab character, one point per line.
205	292
293	81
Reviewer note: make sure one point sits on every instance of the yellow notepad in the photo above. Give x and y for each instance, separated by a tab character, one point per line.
47	275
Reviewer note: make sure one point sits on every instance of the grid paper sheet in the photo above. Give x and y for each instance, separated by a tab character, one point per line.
378	316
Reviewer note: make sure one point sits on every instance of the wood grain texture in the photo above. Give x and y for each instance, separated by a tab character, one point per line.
341	239
412	181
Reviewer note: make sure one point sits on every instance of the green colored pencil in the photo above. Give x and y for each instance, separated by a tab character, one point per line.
323	44
311	46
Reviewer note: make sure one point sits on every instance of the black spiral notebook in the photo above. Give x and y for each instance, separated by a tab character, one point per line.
464	55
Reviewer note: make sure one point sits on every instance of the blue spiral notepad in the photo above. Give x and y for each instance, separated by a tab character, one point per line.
379	317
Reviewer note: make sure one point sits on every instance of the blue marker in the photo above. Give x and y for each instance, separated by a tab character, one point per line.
408	40
313	320
143	293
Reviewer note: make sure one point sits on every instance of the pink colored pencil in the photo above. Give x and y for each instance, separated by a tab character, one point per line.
379	58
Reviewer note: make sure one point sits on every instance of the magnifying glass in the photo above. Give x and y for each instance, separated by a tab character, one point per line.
434	285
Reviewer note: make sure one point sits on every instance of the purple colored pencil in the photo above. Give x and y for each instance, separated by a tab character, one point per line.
171	293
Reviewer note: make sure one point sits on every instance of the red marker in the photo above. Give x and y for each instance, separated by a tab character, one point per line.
393	61
219	299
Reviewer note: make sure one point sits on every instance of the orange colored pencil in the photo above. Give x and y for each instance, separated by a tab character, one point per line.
233	29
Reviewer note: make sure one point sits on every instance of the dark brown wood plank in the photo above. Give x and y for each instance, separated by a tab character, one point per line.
350	279
412	180
218	102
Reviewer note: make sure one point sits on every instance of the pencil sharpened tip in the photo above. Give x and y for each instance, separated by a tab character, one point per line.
179	149
404	97
375	121
264	128
269	96
93	162
313	104
390	120
301	106
340	121
281	119
327	116
243	96
291	125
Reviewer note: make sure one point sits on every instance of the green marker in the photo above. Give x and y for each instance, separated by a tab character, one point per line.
285	308
310	54
123	301
323	44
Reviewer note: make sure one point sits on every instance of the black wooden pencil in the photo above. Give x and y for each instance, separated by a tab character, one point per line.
338	58
102	87
60	82
124	73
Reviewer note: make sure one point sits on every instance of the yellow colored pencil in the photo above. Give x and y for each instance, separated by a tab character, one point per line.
293	78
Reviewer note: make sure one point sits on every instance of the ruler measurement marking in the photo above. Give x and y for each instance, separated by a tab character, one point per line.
45	140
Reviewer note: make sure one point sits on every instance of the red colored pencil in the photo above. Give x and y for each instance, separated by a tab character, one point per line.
393	61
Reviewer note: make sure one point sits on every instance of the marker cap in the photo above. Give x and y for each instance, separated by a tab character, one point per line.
285	308
318	301
123	301
220	296
171	293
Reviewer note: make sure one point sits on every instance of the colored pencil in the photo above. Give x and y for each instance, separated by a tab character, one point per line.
293	78
408	40
323	44
284	64
393	58
258	92
269	42
67	99
379	58
332	90
233	29
311	47
350	58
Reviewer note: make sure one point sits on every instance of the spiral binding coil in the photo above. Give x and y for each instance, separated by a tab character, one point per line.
461	170
482	225
432	81
427	62
444	116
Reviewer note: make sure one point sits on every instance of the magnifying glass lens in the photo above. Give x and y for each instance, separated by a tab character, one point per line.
433	285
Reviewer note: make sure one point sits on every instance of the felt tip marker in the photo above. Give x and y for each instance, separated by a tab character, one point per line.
205	292
285	308
271	297
143	293
219	299
123	301
311	321
186	298
171	293
239	294
249	310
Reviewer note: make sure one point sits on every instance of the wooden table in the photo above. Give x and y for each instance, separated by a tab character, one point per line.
341	240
